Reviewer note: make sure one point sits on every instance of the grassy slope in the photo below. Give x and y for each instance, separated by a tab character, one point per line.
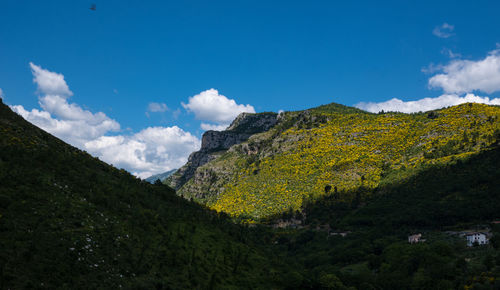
68	220
336	147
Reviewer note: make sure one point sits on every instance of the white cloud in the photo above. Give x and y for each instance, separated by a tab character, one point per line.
176	113
1	93
445	30
50	83
425	104
465	76
210	106
431	68
71	130
67	121
150	151
448	52
206	127
157	107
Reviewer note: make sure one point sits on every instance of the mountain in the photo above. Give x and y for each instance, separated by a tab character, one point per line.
215	143
356	185
160	176
69	220
332	149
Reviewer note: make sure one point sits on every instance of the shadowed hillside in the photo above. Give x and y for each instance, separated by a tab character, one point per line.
359	238
68	220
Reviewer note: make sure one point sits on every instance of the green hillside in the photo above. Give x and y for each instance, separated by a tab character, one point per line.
458	193
336	149
375	253
68	220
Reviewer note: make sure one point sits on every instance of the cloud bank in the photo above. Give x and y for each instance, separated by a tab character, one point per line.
426	104
210	106
459	79
206	127
150	151
463	76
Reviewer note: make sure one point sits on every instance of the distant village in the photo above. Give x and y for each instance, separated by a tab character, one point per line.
473	238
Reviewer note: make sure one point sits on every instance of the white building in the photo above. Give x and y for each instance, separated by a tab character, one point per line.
476	237
413	239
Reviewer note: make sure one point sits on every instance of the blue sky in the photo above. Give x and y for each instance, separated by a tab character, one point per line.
260	55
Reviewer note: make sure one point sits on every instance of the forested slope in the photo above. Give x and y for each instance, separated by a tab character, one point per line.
68	220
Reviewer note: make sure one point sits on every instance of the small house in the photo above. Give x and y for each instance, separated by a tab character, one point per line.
413	239
476	238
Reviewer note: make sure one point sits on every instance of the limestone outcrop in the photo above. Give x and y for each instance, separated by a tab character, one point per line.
214	143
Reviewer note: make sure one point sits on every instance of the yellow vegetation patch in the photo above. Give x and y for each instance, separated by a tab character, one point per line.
353	150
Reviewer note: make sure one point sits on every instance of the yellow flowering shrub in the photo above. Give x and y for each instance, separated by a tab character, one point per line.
349	151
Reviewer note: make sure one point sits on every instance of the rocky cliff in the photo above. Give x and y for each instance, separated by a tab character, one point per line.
214	143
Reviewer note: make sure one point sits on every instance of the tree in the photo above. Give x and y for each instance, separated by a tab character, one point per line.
330	281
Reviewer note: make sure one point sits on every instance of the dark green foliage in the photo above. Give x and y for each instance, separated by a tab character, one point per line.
432	115
434	196
68	220
438	196
375	253
337	108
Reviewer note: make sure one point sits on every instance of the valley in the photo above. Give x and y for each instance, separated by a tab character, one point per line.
346	187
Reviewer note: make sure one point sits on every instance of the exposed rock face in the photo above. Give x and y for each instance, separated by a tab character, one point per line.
213	143
253	123
221	140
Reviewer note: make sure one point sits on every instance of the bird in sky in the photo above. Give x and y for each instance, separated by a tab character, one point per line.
92	7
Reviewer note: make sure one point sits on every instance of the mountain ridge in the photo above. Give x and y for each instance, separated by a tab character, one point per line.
333	147
213	143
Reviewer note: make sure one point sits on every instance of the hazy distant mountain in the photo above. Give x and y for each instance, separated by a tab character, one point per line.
160	176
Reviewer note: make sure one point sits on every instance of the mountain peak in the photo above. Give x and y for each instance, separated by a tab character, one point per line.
253	122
